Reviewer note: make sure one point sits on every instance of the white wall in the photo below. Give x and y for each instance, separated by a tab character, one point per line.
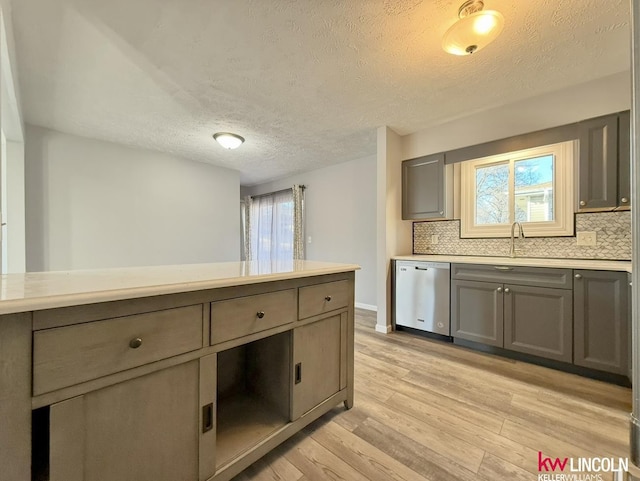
14	235
394	234
591	99
340	211
12	154
94	204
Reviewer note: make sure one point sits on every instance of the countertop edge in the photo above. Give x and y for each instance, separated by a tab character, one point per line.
14	306
594	264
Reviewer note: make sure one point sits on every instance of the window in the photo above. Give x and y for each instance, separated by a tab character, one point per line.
533	187
272	227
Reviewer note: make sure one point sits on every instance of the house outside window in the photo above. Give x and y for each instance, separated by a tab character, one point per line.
532	186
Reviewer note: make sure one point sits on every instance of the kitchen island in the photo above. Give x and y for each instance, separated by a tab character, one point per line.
187	372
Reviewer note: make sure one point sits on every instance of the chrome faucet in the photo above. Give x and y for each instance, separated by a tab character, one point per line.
512	251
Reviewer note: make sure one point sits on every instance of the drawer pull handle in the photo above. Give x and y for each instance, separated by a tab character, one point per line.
207	418
499	289
328	298
298	374
503	268
624	200
506	290
135	343
260	314
578	276
582	203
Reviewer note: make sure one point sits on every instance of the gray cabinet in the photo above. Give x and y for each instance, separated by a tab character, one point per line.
537	320
427	188
598	162
624	159
601	320
477	311
605	162
144	428
525	309
121	402
319	371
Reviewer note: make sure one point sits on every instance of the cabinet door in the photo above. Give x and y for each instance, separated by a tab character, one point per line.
601	327
538	321
624	159
423	186
477	312
143	429
599	163
320	362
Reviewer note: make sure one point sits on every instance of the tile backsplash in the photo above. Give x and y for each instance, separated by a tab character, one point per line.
613	234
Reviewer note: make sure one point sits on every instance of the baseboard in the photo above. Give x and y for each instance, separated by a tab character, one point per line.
367	307
383	329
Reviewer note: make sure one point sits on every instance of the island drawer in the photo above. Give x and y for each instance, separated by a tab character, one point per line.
242	316
321	298
517	275
65	356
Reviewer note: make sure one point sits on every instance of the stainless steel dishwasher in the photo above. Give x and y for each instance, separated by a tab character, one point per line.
422	296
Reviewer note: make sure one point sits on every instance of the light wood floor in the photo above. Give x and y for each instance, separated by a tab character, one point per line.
426	410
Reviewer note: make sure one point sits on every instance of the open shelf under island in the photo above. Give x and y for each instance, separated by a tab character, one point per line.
172	372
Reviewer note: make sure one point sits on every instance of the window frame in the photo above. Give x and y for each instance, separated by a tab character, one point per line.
565	156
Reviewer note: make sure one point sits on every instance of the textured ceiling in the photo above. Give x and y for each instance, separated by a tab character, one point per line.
306	82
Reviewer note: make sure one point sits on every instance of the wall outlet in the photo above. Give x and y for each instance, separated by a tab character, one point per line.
434	239
586	238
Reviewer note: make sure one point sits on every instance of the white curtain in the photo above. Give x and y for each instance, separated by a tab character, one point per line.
246	227
274	226
271	224
298	222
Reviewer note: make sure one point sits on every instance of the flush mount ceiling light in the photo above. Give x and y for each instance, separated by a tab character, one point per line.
228	140
476	29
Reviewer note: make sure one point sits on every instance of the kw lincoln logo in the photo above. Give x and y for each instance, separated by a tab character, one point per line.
578	469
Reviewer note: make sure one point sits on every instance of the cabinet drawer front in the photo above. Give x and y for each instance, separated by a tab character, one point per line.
322	298
242	316
522	276
70	355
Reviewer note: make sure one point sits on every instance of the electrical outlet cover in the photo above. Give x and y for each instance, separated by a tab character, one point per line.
586	238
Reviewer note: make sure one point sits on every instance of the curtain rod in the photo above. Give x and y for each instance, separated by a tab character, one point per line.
303	187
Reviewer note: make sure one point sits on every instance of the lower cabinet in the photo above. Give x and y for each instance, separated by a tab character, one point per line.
319	362
580	316
224	397
477	312
253	395
601	320
537	320
113	433
533	320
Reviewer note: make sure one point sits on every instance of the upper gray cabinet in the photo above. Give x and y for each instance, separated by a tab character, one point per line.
427	188
604	162
624	159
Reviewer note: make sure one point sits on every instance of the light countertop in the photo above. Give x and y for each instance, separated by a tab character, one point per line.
525	261
45	290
